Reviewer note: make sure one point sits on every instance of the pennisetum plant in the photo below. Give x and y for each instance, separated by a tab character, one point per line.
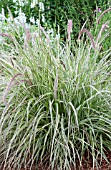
61	109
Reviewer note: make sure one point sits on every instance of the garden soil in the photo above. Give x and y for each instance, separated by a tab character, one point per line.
86	165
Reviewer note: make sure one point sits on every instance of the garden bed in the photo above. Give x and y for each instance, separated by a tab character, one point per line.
86	165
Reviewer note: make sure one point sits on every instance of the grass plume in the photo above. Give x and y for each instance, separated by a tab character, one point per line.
89	35
107	10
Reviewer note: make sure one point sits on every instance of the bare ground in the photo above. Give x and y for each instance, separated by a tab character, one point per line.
86	165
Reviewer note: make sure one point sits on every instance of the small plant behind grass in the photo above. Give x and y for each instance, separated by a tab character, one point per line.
54	104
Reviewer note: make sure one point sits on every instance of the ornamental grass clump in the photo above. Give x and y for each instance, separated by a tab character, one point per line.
55	103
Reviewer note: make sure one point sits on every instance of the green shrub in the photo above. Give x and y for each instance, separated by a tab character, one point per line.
54	102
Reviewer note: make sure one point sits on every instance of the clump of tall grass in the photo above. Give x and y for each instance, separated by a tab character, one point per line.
55	102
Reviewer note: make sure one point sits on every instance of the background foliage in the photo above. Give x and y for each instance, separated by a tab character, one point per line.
57	12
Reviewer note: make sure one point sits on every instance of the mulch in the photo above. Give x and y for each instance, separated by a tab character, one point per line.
86	165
